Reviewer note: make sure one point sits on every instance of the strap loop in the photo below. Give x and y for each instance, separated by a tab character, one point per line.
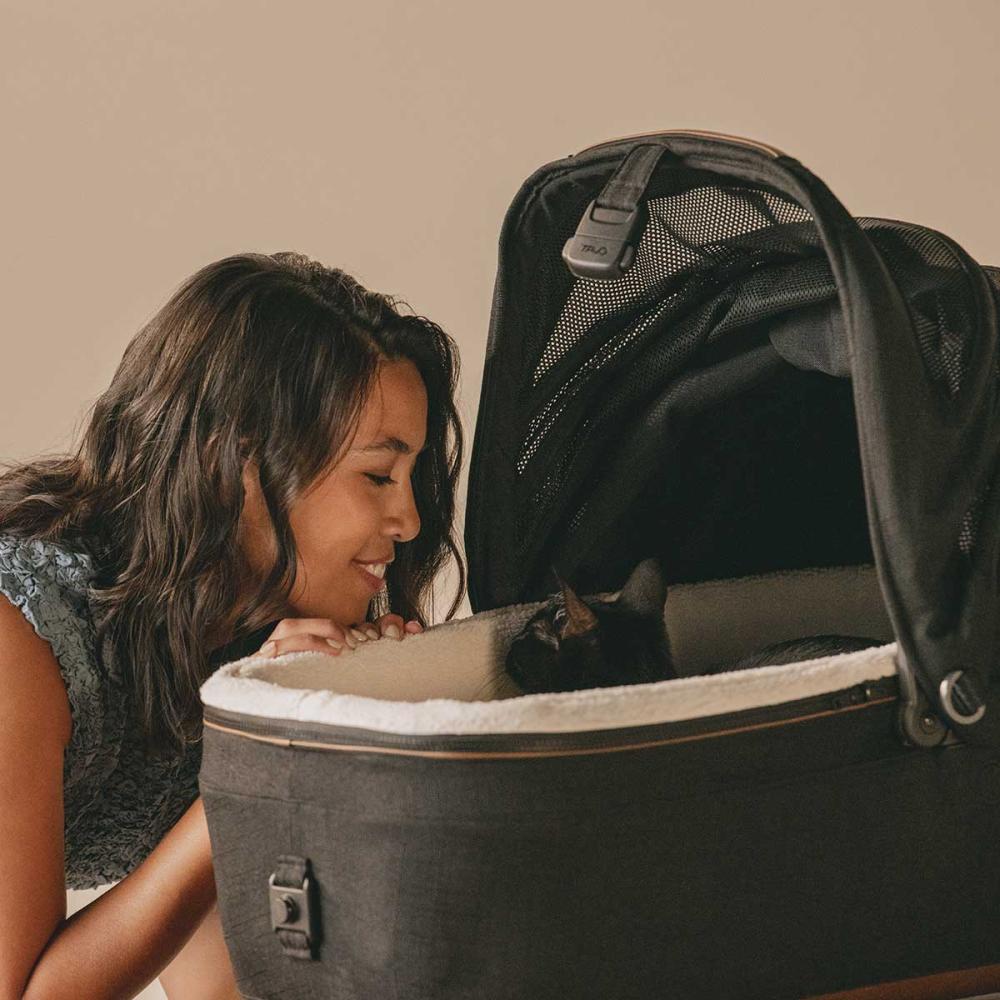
605	242
294	911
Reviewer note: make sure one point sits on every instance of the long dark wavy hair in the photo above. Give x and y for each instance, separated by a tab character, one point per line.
262	357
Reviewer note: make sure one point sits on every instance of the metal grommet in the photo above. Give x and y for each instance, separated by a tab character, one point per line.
946	690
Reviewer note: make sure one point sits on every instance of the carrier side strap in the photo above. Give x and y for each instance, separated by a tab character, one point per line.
626	187
294	911
606	239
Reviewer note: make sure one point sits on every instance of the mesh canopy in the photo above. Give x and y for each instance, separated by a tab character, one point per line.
771	385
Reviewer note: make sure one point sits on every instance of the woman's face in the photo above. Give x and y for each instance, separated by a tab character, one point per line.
357	511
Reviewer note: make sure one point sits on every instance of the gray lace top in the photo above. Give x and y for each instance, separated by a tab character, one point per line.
118	805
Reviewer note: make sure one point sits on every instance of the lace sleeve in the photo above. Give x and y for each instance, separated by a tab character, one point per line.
45	582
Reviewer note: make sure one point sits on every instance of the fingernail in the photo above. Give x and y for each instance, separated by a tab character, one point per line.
335	644
359	635
372	633
392	630
267	649
413	627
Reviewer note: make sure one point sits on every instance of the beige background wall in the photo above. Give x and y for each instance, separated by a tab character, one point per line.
144	140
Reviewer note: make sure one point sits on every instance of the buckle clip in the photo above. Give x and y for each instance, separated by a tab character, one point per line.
291	911
604	244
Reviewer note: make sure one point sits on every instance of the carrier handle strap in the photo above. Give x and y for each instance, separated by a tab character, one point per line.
626	187
294	910
606	239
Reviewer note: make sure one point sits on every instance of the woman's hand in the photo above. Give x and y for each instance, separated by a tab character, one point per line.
394	627
323	635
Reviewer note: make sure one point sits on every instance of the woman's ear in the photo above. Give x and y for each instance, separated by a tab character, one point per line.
256	532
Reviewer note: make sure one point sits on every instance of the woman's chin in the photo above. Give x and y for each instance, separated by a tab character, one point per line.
351	606
341	615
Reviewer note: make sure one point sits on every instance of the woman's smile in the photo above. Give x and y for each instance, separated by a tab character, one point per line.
374	580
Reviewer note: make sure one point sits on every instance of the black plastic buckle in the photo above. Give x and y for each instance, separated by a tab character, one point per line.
292	916
604	244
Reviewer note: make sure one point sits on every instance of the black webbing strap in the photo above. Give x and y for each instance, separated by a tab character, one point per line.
626	187
292	907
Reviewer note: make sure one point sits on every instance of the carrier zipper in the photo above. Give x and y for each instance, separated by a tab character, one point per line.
319	736
698	133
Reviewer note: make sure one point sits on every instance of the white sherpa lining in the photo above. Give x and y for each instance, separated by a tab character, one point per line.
235	688
430	684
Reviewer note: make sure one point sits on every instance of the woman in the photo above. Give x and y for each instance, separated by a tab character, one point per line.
272	439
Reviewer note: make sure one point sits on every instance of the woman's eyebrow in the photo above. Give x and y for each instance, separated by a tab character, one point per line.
391	444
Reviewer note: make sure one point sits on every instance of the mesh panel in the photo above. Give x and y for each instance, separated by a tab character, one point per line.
970	523
940	309
678	240
710	260
715	262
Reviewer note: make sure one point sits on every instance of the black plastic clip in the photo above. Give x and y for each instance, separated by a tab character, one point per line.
605	243
294	914
605	240
916	722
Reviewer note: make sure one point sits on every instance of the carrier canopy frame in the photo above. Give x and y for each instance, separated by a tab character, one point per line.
759	382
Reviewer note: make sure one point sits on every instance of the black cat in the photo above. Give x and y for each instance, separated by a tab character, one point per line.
573	643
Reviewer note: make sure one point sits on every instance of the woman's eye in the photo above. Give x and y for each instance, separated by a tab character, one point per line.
380	480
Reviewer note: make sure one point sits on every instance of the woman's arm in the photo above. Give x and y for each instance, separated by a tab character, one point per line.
202	970
117	944
35	726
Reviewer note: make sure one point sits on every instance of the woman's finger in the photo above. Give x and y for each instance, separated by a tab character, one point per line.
301	643
314	626
391	625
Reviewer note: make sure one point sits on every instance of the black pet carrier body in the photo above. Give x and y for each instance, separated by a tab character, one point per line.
694	353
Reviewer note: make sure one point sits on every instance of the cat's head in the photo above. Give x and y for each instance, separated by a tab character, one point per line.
573	642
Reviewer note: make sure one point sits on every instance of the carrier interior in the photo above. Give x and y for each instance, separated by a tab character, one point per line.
449	679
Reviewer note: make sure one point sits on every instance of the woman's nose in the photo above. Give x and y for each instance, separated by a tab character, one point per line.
404	519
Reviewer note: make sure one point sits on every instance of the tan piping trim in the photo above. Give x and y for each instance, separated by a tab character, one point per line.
503	754
701	133
940	986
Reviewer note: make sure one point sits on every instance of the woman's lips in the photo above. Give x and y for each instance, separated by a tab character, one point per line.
373	581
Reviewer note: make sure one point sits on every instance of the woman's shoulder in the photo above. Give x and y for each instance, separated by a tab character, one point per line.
48	583
29	559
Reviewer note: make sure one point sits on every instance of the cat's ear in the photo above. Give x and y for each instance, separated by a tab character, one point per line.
579	618
645	591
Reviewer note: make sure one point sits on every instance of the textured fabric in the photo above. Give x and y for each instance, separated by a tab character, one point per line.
117	804
769	861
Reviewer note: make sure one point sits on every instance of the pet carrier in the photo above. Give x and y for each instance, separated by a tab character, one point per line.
695	353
